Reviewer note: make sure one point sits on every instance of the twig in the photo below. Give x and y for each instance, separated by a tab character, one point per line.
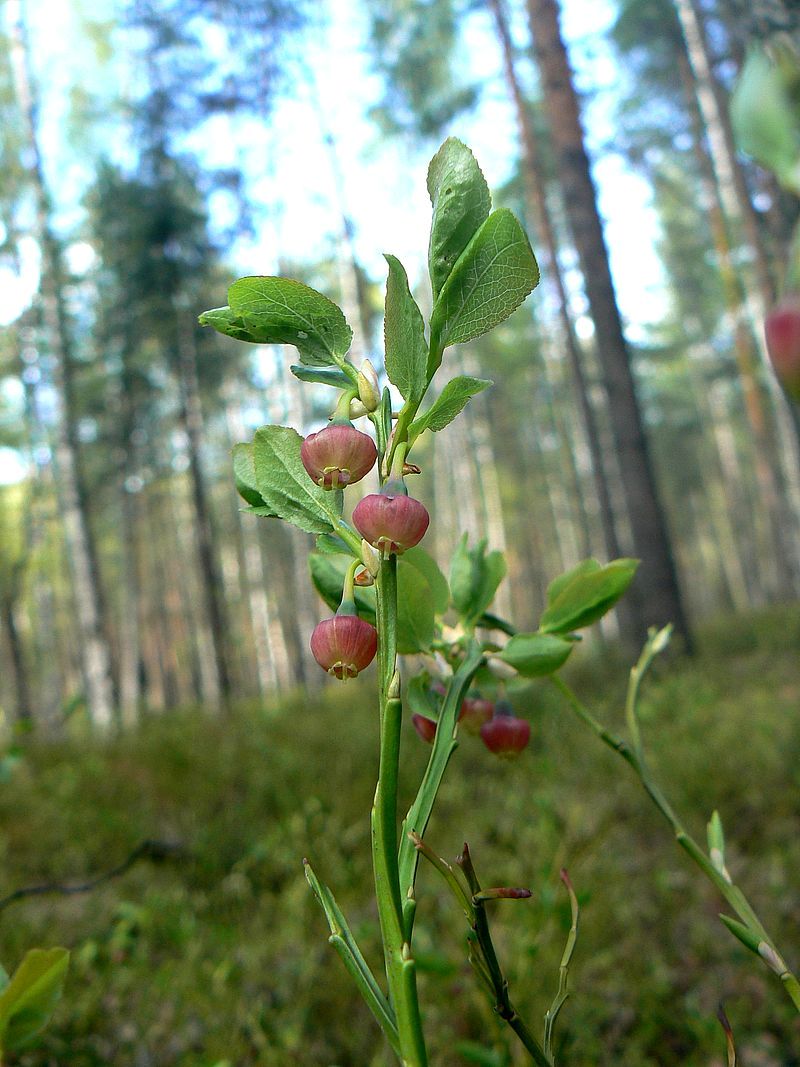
153	850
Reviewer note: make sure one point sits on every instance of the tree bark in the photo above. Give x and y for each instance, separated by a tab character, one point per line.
656	588
190	416
540	217
95	652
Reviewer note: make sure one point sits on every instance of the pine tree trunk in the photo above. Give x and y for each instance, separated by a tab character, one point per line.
190	417
657	585
540	217
95	652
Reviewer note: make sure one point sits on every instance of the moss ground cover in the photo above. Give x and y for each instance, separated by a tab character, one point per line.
218	955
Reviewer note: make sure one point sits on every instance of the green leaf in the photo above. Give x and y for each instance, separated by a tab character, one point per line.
429	568
588	597
327	576
323	375
283	311
227	322
415	615
420	698
764	120
472	1052
461	202
451	402
559	584
28	1001
345	944
284	485
492	277
244	472
535	655
404	334
333	545
475	575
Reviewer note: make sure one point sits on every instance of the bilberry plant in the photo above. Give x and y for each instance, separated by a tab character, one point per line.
390	598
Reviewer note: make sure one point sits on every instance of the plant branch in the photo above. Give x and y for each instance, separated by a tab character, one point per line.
153	850
763	944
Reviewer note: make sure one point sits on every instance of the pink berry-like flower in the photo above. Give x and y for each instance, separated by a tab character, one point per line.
782	330
391	520
426	728
475	711
344	645
505	734
338	455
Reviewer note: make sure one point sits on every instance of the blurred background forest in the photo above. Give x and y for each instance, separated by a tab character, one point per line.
151	151
154	151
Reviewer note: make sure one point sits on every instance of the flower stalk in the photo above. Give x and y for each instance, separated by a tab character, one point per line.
400	965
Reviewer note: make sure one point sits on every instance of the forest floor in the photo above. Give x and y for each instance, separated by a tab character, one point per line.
216	956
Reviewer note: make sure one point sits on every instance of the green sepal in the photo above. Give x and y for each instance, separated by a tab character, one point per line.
406	350
461	202
451	402
493	275
30	996
587	596
536	655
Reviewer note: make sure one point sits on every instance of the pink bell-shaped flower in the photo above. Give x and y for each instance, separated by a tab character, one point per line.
782	331
391	520
338	455
426	728
475	711
344	645
505	734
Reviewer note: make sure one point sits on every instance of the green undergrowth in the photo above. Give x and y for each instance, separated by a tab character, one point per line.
217	957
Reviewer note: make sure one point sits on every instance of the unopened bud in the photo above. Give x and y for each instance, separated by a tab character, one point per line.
370	558
502	893
364	578
368	391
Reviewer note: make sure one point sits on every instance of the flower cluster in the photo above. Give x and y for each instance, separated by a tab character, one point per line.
498	727
390	520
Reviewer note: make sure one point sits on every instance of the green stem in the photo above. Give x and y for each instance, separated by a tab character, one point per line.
409	410
444	745
400	965
731	893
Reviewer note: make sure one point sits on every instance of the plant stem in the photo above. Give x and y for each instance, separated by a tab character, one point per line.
400	965
732	894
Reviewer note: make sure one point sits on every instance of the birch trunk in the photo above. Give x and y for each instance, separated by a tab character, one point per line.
95	652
